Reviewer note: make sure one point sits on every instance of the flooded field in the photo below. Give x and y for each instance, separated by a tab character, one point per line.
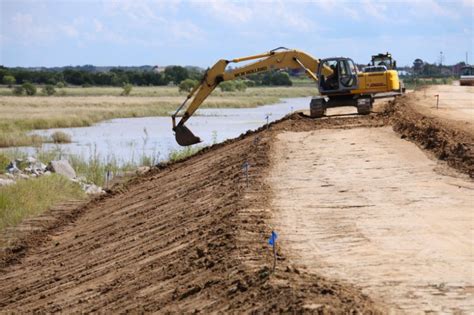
125	139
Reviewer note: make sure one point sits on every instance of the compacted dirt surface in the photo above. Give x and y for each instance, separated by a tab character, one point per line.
366	207
455	103
370	221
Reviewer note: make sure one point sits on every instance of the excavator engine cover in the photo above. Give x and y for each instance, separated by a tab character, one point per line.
184	136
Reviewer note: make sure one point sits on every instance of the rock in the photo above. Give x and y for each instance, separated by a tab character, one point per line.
47	173
93	189
10	176
12	169
62	167
143	169
23	176
6	182
31	160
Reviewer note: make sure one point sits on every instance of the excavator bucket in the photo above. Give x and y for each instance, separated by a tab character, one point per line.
184	136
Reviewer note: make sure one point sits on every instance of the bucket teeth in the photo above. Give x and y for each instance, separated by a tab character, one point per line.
184	136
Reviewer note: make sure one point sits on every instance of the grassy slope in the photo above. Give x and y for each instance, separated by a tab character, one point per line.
31	197
86	106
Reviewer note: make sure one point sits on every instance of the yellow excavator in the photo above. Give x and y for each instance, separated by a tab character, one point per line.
338	81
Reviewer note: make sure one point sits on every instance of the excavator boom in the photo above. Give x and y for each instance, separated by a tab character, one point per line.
280	58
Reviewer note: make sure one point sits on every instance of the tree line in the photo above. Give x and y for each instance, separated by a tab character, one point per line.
120	77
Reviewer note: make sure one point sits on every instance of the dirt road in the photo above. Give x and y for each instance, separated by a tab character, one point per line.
455	103
366	207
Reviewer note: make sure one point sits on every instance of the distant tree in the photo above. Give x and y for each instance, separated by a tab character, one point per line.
30	89
9	80
227	86
60	85
418	65
126	89
187	85
48	90
240	85
176	74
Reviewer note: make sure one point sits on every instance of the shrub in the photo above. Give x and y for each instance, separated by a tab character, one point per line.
60	85
18	90
240	85
187	85
126	89
227	86
9	80
30	89
4	161
249	83
48	90
60	137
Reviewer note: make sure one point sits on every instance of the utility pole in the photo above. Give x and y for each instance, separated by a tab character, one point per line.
467	60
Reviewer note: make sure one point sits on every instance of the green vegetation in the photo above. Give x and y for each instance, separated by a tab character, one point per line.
18	91
48	90
9	80
187	85
126	89
412	83
231	86
176	155
29	88
60	137
31	197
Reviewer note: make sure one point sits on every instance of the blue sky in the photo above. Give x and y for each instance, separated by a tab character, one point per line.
138	32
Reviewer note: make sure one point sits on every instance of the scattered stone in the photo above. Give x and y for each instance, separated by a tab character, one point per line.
47	173
143	169
23	176
31	160
10	176
62	167
92	189
6	182
12	168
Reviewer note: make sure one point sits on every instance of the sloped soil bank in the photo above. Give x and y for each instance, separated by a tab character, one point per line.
447	140
186	237
192	236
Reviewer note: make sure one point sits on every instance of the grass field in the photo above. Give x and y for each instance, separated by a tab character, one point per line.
85	106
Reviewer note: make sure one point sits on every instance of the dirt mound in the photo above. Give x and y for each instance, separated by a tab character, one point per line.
447	141
186	237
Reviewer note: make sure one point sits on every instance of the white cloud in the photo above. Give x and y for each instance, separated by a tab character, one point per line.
99	27
27	30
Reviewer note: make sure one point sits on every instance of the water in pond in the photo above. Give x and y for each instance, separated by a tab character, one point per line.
126	139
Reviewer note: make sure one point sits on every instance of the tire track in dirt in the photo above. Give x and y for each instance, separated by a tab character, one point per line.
185	237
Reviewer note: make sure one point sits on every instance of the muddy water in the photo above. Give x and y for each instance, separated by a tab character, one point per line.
366	207
129	138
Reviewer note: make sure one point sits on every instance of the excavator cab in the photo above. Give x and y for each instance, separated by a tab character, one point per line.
342	78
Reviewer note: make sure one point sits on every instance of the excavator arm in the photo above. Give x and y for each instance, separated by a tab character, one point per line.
280	58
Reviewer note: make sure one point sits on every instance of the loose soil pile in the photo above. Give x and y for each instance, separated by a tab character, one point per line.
192	237
448	141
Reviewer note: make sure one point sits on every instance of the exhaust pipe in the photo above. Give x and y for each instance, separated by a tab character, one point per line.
184	136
